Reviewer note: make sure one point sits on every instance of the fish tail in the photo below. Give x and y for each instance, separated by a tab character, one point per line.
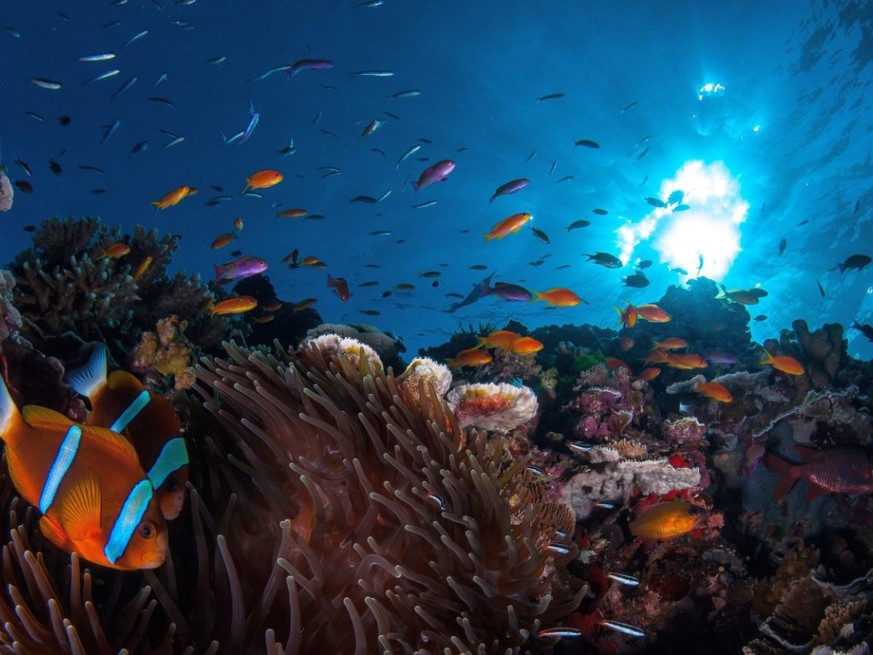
622	316
157	204
788	473
537	296
9	414
415	185
768	358
219	272
91	377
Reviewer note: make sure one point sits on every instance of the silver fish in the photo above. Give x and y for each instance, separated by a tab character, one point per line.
102	76
44	83
624	578
624	628
406	155
104	56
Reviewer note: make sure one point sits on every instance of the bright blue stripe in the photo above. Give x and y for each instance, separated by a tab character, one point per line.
173	456
131	514
131	412
63	462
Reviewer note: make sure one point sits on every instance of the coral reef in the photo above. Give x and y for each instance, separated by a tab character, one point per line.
165	351
823	351
10	317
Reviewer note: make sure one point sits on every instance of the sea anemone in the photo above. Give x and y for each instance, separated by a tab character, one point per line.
332	509
500	407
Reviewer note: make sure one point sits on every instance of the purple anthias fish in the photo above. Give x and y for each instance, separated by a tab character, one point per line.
841	469
309	65
240	268
510	187
721	358
510	292
436	173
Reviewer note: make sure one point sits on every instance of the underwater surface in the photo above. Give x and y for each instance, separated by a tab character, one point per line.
436	327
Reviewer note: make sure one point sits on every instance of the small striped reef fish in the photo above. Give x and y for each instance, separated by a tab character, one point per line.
120	402
87	482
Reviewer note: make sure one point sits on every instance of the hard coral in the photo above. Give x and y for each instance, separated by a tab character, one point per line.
165	351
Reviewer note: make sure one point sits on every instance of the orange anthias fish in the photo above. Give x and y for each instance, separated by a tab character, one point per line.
558	297
715	391
526	346
656	357
94	496
686	362
340	287
115	251
313	262
653	314
783	363
292	213
673	343
499	339
626	343
628	316
238	223
174	197
120	402
509	225
262	180
649	374
234	306
665	521
470	357
142	267
222	240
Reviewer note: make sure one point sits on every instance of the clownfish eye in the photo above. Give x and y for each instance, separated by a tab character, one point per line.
147	530
171	484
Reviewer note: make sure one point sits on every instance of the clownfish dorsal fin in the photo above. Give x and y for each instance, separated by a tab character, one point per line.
91	377
80	509
37	416
116	441
52	531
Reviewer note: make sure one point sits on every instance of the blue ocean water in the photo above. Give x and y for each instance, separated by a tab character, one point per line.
782	146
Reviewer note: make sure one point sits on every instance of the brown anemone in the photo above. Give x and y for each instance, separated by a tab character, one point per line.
333	509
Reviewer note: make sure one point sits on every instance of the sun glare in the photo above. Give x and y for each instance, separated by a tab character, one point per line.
700	233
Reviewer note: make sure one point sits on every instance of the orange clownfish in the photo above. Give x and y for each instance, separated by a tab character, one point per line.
558	297
120	402
95	498
262	180
509	225
175	196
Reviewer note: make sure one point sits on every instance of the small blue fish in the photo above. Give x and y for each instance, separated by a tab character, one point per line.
139	147
110	130
254	118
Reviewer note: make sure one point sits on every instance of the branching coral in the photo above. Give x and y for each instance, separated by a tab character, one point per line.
166	351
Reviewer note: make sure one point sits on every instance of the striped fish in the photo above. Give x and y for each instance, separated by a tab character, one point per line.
87	482
120	402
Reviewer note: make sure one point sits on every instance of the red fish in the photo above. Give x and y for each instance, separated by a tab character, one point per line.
436	173
841	470
120	402
94	496
340	287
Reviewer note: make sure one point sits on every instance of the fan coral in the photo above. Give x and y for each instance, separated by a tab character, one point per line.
499	407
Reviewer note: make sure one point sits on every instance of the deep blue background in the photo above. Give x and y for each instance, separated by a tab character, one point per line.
800	70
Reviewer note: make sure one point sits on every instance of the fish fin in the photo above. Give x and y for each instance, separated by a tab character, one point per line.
158	204
814	491
43	417
52	531
90	378
80	508
805	452
788	473
116	441
9	413
219	272
415	185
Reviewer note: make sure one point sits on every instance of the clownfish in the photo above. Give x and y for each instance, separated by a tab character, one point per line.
94	496
120	402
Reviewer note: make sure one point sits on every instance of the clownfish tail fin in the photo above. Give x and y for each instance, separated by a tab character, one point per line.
92	376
